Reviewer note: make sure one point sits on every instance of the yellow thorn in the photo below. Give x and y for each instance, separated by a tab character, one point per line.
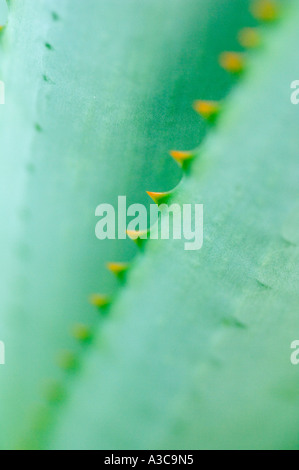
118	268
209	110
181	157
81	332
53	392
159	198
249	38
265	10
137	235
67	360
233	62
98	300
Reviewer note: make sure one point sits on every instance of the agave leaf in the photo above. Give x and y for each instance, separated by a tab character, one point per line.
196	353
97	92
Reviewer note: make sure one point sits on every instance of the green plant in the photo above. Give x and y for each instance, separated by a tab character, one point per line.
194	349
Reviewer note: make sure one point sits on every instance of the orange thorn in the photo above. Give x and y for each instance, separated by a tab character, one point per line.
181	157
159	198
209	110
118	269
232	62
265	10
249	38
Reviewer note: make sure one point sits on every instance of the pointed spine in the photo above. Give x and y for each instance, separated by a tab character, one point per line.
160	198
265	10
53	392
68	361
81	333
138	236
182	158
209	110
119	270
232	62
99	300
249	38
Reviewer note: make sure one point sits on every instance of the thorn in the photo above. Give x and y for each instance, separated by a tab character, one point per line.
182	157
82	333
209	110
67	361
159	198
54	392
234	323
138	236
99	301
118	269
263	285
232	62
288	242
47	79
55	16
41	418
265	10
49	46
249	38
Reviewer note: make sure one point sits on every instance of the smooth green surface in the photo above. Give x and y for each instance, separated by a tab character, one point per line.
196	353
97	92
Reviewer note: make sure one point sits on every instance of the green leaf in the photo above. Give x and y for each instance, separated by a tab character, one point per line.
196	353
97	92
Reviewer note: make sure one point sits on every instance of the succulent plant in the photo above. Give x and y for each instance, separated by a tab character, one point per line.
192	349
